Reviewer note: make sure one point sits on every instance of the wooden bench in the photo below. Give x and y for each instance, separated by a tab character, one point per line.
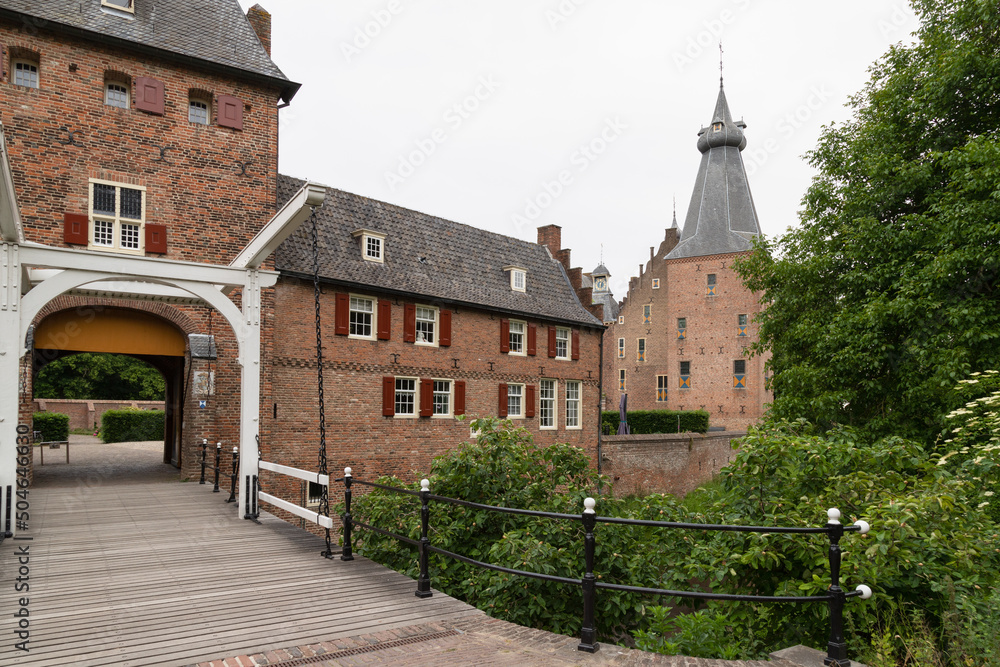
54	444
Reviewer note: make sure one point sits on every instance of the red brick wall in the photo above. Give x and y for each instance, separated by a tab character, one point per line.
711	344
194	186
357	434
85	414
665	463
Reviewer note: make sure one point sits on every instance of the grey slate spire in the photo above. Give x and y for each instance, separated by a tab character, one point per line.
721	217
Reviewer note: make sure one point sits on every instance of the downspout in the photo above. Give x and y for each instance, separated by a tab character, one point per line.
600	394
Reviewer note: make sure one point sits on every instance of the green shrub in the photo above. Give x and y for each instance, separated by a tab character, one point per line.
659	421
132	425
53	425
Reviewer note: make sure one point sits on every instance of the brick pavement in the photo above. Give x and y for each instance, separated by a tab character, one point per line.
475	640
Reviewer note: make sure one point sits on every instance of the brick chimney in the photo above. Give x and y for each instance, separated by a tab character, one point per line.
260	21
550	236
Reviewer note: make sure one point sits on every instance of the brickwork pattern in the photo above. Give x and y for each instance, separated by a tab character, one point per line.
474	640
711	342
665	463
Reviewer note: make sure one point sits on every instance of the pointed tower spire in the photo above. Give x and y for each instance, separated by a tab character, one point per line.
721	217
674	225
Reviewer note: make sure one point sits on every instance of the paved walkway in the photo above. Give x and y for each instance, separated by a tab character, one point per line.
92	462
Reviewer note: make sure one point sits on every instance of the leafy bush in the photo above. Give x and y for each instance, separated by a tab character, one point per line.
659	421
130	425
53	425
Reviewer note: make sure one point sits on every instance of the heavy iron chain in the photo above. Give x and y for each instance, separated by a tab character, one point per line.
324	500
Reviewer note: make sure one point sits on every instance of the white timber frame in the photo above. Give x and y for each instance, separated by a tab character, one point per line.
32	275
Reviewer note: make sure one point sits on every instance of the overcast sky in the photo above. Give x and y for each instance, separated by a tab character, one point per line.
508	115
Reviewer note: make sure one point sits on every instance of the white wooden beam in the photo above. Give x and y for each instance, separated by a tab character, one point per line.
35	255
309	515
289	218
11	230
295	472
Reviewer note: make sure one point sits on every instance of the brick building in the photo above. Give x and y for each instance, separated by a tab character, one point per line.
680	339
140	209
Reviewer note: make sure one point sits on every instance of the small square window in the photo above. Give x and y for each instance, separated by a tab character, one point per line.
125	5
314	493
685	368
621	319
442	398
117	217
739	366
372	245
116	95
656	283
406	397
426	322
516	337
518	278
562	343
25	74
362	314
198	112
515	393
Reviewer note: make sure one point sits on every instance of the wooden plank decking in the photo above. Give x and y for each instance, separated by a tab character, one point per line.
166	574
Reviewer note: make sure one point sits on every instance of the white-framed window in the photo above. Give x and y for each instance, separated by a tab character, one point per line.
621	348
621	319
406	397
117	217
641	351
116	94
656	283
362	317
518	278
562	343
314	492
442	398
426	325
123	5
515	401
199	111
517	337
26	73
547	404
574	391
621	379
372	245
661	388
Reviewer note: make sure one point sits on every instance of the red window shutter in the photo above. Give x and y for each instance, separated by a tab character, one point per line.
460	397
342	315
409	323
552	341
444	338
388	396
384	319
149	95
76	228
576	344
426	397
529	407
156	239
532	340
505	336
230	112
502	406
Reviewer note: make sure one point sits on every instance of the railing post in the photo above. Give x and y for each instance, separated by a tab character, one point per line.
218	460
588	633
424	582
204	462
234	475
836	648
346	552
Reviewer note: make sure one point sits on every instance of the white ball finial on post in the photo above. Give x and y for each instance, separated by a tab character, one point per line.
833	515
866	592
588	505
864	525
425	485
347	472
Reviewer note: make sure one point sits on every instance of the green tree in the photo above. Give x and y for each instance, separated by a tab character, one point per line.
887	294
100	376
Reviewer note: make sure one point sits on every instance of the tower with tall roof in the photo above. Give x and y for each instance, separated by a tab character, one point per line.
681	338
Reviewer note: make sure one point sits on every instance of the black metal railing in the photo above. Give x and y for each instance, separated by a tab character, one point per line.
835	596
233	474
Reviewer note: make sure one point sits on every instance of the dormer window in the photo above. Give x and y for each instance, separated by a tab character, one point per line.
372	245
122	5
716	127
518	278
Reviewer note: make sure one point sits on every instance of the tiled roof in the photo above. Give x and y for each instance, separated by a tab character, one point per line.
429	257
721	217
215	31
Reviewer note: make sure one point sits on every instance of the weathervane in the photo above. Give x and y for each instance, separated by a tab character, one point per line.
720	62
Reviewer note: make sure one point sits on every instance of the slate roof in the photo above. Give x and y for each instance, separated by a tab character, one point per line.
430	257
721	217
213	31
